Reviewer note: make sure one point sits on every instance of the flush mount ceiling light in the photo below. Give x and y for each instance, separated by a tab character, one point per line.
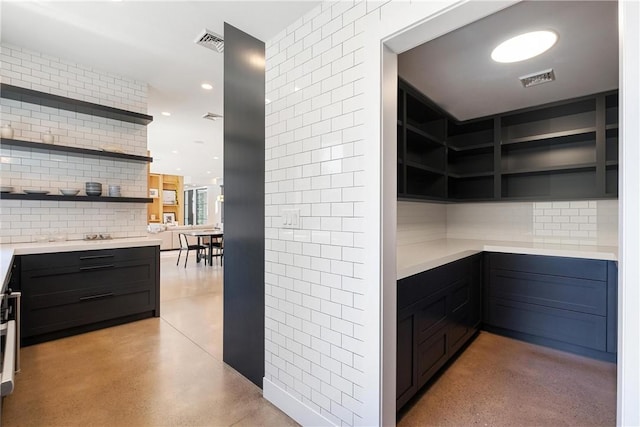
524	46
166	113
206	86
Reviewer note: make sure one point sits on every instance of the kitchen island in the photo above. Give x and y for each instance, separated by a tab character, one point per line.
72	287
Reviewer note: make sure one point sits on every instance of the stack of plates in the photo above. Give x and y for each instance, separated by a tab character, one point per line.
6	189
93	188
114	191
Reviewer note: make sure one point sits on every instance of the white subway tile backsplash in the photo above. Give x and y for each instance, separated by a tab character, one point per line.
49	171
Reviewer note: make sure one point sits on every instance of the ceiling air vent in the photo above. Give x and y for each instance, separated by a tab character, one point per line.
538	78
211	40
212	116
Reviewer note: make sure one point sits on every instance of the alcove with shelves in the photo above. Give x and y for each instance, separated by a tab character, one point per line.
156	209
422	149
564	150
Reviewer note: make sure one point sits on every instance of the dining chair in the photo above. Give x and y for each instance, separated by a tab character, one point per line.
218	245
186	246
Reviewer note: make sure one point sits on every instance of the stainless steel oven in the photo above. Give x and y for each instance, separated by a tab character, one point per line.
9	339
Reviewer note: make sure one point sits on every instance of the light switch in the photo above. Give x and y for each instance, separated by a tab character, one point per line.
291	218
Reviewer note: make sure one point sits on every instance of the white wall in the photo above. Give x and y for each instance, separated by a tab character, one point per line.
21	220
315	341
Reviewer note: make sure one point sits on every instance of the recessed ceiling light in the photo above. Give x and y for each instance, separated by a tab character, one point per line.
178	169
215	157
199	142
208	171
206	86
174	151
166	113
524	46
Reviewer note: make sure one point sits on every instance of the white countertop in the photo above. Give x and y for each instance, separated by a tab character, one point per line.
419	257
79	245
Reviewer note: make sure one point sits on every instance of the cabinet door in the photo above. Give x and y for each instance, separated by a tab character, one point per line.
406	385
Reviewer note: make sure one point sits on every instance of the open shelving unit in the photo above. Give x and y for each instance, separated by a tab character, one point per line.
69	104
560	151
422	151
157	208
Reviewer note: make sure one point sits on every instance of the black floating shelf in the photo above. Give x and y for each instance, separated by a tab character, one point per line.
470	175
424	168
471	147
551	135
61	198
424	134
56	101
559	169
74	150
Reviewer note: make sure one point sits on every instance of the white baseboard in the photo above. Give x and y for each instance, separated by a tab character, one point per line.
288	404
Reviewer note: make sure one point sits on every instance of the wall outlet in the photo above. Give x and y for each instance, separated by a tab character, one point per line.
291	218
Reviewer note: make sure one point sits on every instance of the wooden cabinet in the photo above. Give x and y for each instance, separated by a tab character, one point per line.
157	207
72	292
566	303
560	151
438	312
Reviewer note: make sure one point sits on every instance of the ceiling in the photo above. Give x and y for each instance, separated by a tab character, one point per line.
153	42
457	73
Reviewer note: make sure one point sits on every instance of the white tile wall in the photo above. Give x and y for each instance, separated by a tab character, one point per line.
421	222
42	169
586	222
314	162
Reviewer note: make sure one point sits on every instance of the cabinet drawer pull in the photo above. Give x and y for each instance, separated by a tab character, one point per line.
97	267
82	258
92	297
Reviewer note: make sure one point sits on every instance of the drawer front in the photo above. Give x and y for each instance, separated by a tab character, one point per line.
85	259
54	318
553	266
432	355
432	315
68	286
586	330
428	283
581	295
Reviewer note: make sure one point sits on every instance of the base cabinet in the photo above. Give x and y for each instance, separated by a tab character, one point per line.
566	303
72	292
438	312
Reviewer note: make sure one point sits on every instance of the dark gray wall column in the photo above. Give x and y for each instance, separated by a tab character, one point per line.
244	97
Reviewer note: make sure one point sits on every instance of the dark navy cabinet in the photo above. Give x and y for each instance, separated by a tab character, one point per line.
566	303
438	312
72	292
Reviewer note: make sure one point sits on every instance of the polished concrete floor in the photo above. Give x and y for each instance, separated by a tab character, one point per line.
165	371
168	371
498	381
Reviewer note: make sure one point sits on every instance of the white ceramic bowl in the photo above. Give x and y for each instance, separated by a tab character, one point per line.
69	191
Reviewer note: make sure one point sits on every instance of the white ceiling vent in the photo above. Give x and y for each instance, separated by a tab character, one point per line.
538	78
212	116
211	40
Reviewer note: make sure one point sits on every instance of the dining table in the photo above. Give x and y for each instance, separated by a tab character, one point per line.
213	236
